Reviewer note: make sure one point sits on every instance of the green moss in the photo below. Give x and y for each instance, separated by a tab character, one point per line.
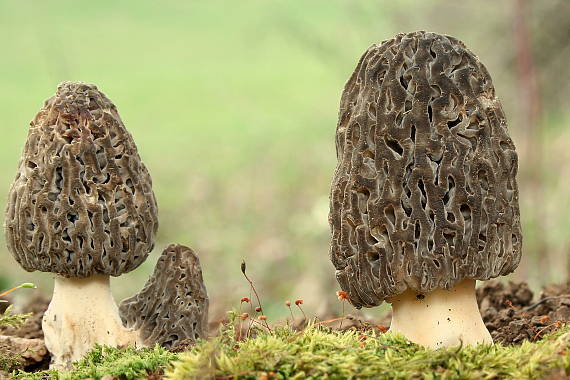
128	363
318	352
12	320
321	353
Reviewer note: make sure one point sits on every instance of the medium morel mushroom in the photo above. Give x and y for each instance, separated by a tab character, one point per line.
424	199
81	207
172	308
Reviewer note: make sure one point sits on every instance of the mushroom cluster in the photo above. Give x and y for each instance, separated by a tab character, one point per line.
82	207
424	199
173	305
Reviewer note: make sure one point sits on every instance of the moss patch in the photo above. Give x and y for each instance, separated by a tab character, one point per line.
321	353
12	320
128	363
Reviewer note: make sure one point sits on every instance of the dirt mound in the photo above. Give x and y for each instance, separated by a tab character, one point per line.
512	315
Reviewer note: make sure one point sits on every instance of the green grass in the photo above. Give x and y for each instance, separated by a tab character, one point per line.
318	352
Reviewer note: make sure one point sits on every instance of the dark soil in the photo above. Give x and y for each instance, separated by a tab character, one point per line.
512	314
510	311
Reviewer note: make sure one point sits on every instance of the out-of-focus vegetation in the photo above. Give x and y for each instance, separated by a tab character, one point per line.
233	107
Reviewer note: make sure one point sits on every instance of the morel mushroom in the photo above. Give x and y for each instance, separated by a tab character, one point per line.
424	199
81	207
173	305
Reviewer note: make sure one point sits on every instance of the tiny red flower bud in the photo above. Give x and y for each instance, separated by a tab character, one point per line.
288	303
262	318
245	299
381	328
258	309
244	316
342	295
298	302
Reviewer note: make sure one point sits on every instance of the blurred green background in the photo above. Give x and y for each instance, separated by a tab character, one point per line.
233	106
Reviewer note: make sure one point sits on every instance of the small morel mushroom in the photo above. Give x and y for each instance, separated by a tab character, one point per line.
424	199
173	305
81	207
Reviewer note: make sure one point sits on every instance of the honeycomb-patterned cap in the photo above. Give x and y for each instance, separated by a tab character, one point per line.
173	305
82	202
424	194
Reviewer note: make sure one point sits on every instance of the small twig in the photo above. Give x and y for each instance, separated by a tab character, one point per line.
544	300
557	324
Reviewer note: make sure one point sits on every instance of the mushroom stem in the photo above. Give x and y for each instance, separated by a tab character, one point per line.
440	318
82	313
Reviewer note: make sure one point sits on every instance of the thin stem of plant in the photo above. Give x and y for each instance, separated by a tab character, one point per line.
342	319
292	317
240	321
557	324
243	269
11	290
304	315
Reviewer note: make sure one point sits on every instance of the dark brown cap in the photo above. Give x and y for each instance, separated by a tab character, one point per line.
424	194
82	202
173	305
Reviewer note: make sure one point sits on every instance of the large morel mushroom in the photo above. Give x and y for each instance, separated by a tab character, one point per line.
424	199
81	207
172	308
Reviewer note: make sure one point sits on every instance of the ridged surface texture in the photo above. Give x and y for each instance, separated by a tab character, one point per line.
82	201
173	305
424	193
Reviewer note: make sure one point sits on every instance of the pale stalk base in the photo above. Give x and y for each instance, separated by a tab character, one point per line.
440	318
82	313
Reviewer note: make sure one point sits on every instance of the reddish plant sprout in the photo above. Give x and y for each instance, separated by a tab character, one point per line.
382	329
299	302
243	270
245	299
342	296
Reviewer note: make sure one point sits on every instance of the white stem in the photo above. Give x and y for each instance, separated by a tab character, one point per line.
82	313
441	318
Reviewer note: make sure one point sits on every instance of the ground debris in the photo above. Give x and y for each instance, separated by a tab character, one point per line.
512	315
22	353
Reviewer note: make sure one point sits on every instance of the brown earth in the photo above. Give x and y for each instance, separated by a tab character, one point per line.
512	314
23	348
